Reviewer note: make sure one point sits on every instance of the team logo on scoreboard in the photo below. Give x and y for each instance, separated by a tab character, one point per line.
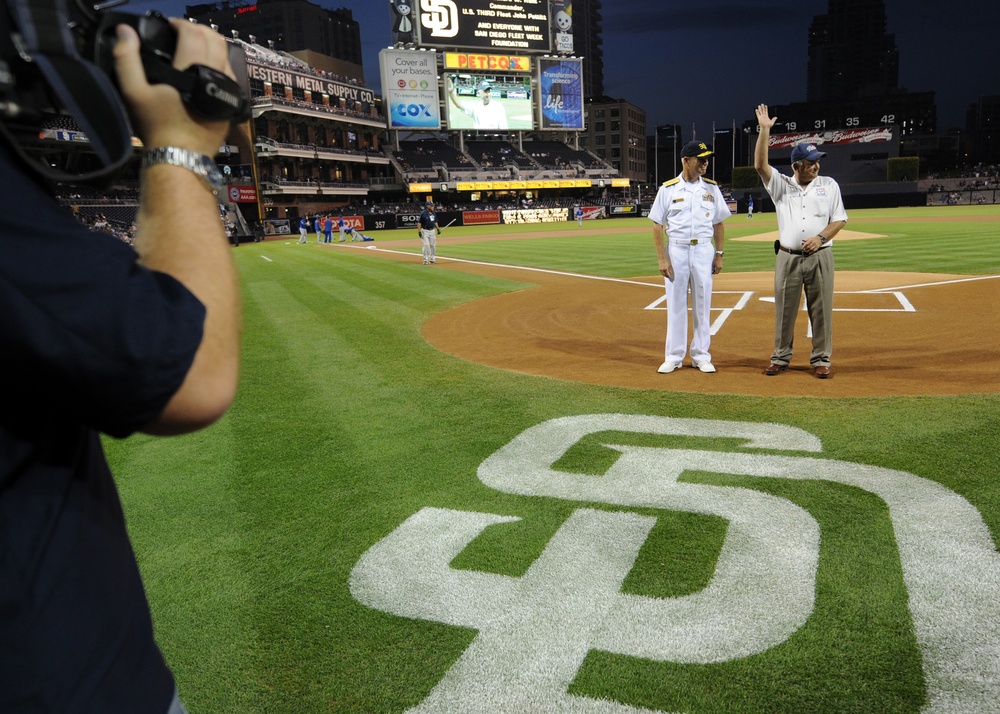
440	17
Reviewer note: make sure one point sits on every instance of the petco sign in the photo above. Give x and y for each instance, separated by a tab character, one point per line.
495	63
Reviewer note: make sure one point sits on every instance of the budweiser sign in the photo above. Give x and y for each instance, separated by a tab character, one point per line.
843	136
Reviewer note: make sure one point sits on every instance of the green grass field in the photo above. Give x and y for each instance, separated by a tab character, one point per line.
806	555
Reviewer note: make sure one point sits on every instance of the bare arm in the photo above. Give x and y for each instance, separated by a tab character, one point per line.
814	243
833	229
179	231
764	123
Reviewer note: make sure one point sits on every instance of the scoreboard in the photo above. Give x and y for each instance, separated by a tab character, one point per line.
912	112
521	25
447	53
809	122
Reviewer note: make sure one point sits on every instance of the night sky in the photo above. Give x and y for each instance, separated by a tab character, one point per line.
715	60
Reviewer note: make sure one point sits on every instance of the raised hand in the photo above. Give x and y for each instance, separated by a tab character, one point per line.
763	119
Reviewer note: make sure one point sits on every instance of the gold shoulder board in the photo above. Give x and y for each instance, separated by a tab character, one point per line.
672	181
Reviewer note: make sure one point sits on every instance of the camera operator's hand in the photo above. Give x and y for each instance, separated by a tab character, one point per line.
179	231
159	116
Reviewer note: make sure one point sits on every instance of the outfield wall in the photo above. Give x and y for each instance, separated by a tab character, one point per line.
488	216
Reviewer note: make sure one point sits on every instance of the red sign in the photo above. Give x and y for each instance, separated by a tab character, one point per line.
242	194
478	218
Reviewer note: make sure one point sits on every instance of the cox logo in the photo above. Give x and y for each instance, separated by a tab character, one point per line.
413	110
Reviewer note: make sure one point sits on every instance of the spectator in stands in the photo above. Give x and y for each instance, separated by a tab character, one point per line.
485	113
810	213
103	338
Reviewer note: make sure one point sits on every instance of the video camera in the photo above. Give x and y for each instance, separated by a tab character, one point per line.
56	60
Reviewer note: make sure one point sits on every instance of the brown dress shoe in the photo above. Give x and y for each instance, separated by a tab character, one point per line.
775	368
822	372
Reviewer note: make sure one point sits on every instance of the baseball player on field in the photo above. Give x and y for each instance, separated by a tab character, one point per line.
429	231
687	214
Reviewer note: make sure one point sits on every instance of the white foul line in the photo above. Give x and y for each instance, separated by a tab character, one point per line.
522	267
931	285
905	304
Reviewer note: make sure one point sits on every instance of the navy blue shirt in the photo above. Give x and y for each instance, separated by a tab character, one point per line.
428	220
90	342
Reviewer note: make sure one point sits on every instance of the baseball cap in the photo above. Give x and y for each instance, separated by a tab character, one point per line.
696	148
809	152
484	85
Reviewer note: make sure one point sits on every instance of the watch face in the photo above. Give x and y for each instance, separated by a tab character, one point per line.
212	172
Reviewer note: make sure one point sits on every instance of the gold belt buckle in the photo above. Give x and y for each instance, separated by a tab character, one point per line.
694	242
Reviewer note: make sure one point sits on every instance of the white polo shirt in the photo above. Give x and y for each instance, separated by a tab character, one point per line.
487	116
689	211
804	212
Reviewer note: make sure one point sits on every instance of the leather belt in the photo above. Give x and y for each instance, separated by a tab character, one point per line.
800	252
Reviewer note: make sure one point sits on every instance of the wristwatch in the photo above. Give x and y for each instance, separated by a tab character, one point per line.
201	164
720	253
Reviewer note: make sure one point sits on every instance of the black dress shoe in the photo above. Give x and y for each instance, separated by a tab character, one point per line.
775	368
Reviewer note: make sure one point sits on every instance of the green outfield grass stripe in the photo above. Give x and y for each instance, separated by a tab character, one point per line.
197	535
417	284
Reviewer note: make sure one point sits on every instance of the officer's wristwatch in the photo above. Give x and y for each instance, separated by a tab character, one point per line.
201	164
720	253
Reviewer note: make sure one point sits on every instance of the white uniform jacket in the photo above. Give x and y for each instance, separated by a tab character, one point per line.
688	211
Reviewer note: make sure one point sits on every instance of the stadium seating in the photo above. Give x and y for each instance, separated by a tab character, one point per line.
556	155
498	154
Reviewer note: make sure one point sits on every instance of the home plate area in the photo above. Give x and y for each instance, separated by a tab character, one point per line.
894	334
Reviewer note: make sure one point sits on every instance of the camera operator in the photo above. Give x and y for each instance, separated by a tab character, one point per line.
98	339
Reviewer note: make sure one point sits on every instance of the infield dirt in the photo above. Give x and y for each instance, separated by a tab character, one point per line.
894	333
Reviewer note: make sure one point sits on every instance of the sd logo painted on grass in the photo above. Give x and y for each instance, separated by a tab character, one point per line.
535	630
